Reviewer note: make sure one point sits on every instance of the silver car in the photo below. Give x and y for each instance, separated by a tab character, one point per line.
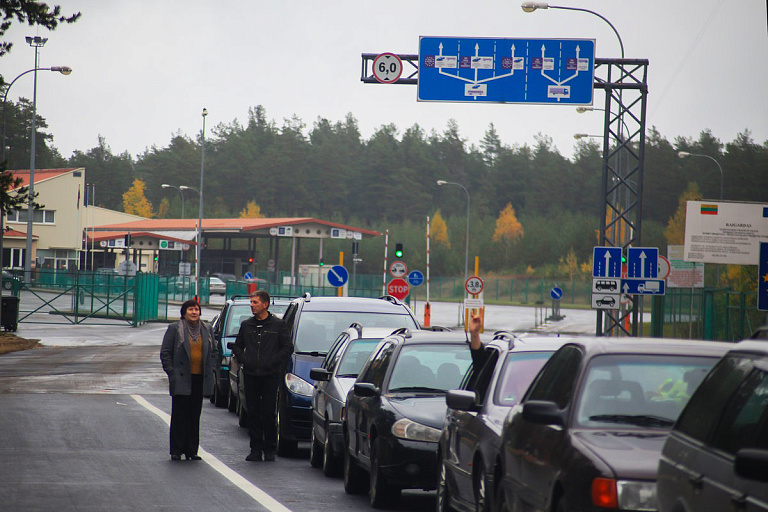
333	380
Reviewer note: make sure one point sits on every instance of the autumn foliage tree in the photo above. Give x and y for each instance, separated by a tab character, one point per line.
135	202
439	231
508	228
675	230
251	211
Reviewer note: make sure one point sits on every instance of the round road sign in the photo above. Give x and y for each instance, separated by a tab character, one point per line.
398	269
398	288
474	285
387	68
556	293
663	267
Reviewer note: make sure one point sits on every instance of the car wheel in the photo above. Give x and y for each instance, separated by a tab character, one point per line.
219	398
355	481
382	492
330	460
7	285
443	495
315	451
285	447
480	480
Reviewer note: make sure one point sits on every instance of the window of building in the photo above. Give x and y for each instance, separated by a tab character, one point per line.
39	216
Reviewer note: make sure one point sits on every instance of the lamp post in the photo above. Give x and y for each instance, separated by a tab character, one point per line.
532	6
181	192
36	42
686	154
200	213
578	136
466	254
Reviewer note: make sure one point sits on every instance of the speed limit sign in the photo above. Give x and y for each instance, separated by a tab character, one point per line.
387	68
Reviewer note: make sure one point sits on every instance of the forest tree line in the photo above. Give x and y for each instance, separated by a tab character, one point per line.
388	182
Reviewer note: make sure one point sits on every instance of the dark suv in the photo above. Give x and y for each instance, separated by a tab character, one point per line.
315	322
716	457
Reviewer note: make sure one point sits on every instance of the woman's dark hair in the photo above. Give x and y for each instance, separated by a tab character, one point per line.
187	305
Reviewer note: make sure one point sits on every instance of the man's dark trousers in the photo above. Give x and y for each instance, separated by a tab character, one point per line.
261	402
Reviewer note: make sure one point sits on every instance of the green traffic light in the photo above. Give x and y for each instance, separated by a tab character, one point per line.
399	250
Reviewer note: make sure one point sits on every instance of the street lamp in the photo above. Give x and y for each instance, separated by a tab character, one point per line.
685	154
200	214
181	192
466	254
585	136
532	6
36	42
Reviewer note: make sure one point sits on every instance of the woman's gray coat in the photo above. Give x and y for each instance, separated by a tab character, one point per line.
174	355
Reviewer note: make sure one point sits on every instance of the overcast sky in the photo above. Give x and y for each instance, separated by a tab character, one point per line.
144	69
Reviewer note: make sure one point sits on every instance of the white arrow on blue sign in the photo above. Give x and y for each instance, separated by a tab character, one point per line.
415	278
338	276
643	287
556	293
643	262
606	262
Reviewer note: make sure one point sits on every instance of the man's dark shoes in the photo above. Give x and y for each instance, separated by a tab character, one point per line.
255	457
175	457
269	456
194	457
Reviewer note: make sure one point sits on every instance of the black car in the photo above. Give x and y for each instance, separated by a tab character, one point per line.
716	456
333	380
315	323
396	410
468	452
588	432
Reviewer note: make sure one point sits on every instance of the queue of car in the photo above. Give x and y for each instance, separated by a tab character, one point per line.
550	424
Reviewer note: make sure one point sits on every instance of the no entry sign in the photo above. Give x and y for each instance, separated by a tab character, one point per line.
398	288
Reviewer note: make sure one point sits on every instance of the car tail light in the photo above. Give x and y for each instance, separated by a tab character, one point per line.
604	493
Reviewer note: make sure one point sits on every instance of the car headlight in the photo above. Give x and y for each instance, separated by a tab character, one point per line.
407	429
624	494
297	385
637	495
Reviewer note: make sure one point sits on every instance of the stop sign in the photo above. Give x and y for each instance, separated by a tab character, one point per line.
398	288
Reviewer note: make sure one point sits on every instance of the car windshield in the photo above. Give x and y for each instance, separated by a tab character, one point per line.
639	389
429	367
317	330
278	309
237	314
355	356
520	368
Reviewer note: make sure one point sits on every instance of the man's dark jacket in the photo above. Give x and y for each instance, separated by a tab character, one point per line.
263	346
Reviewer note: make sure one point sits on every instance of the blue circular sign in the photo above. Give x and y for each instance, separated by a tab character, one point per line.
337	276
247	275
556	293
415	278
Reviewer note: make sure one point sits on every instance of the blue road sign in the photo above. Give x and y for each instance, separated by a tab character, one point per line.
556	293
643	262
337	275
247	275
606	262
643	287
762	278
415	278
537	71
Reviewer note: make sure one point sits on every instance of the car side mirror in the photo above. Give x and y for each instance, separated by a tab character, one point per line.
543	413
231	345
752	463
320	374
462	400
366	390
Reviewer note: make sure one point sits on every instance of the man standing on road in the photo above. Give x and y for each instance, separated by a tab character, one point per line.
263	346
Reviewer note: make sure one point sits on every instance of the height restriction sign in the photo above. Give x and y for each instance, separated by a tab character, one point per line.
474	285
387	68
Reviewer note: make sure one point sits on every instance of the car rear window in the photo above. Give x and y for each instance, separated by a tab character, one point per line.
520	368
318	329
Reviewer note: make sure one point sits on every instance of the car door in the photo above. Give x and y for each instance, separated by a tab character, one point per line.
320	398
540	447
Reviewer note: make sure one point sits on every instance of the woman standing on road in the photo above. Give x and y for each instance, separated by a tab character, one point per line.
190	358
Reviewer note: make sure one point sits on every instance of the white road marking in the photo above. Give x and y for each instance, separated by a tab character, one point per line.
251	490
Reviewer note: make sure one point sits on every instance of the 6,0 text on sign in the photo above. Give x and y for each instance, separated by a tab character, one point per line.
387	68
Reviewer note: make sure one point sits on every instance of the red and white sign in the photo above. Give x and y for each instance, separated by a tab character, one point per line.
474	285
398	269
387	68
398	288
663	266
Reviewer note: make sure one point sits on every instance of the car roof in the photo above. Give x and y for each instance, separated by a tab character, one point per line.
407	336
594	345
529	343
750	346
353	304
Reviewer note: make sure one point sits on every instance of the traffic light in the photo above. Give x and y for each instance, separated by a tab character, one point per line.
399	250
155	257
250	260
322	262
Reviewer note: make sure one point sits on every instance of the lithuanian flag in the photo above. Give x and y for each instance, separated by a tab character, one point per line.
709	209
